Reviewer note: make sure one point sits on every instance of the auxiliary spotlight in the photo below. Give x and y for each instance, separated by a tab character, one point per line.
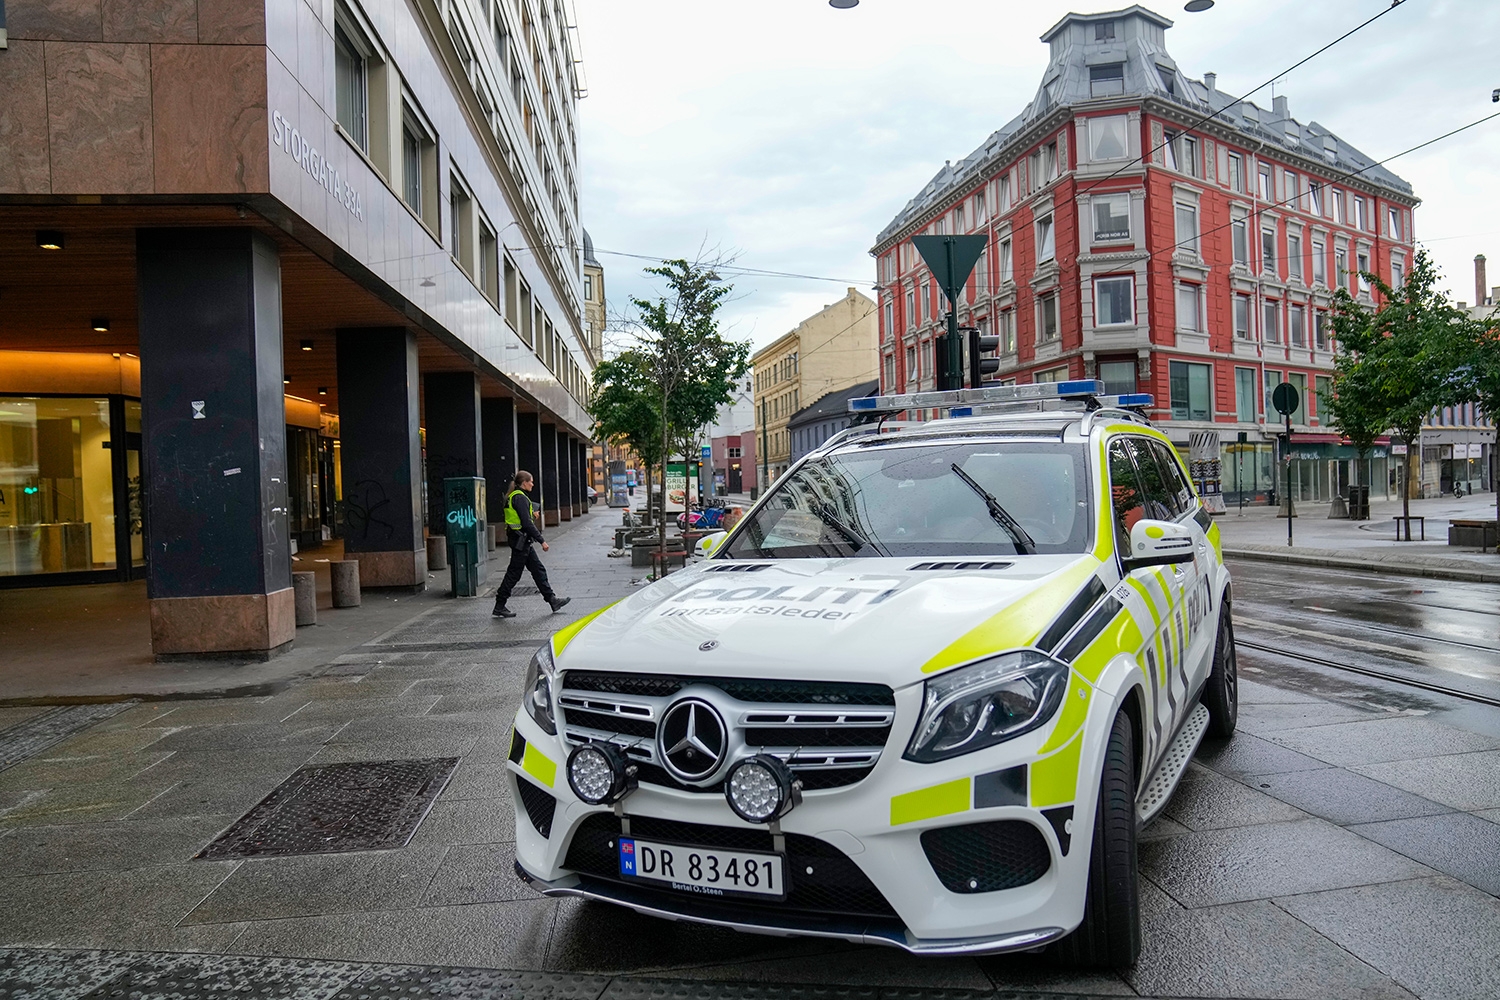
100	325
50	239
600	774
761	789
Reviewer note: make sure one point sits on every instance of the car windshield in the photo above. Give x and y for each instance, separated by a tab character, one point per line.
910	501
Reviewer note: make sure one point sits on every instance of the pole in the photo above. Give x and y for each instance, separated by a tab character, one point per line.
1286	481
1239	458
764	472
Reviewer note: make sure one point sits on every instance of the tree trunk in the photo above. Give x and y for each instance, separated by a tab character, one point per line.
1412	460
661	529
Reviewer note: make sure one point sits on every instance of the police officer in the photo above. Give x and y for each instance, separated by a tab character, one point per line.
523	536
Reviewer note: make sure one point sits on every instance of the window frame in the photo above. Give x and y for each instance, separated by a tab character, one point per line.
1115	279
1112	235
1188	410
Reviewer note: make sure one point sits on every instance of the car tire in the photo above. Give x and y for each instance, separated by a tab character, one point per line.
1110	935
1221	695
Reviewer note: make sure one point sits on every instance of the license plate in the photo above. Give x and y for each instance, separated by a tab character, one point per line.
705	870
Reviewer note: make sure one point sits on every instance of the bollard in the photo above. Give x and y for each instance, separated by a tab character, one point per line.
305	594
345	574
437	552
490	541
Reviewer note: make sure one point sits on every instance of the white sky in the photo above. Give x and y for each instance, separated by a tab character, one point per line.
789	133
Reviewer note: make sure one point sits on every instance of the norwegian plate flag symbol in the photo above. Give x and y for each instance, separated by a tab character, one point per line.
627	857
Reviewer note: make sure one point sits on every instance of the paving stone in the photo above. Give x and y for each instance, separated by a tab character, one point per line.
1463	781
221	977
484	935
227	711
1268	717
1344	797
249	736
1244	754
350	709
1205	800
1247	949
467	821
1161	827
133	843
30	736
419	982
479	779
11	715
843	965
1376	740
134	908
1434	936
92	803
1458	844
310	885
479	873
1253	692
48	974
45	771
1271	859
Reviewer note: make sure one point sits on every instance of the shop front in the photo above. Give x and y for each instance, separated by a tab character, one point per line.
1317	468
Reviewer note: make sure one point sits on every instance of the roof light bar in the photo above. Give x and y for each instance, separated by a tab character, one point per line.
1078	388
1129	400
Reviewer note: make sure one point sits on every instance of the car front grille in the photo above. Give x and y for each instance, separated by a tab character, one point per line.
822	878
830	733
985	857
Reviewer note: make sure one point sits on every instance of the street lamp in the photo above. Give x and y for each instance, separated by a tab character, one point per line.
843	4
1197	6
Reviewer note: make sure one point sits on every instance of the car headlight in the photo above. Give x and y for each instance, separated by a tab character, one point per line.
537	692
987	703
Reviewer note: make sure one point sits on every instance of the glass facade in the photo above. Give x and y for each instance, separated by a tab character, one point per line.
69	484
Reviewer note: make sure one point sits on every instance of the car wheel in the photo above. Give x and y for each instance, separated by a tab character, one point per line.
1110	935
1221	695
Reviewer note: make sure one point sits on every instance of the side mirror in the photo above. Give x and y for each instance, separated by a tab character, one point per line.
708	543
1158	543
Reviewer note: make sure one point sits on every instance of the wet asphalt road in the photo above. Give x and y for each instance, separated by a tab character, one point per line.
1436	632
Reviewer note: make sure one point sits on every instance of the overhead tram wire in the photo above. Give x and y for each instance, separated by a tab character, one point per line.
1214	114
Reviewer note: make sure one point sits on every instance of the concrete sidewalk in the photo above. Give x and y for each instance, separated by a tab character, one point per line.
1371	545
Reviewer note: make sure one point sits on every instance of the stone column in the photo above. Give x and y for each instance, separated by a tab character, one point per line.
580	481
380	456
498	423
565	478
529	449
214	443
547	476
452	418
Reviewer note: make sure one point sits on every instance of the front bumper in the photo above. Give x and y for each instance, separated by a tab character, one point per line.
891	933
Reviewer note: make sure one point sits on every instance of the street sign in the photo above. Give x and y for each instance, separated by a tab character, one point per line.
950	259
1286	399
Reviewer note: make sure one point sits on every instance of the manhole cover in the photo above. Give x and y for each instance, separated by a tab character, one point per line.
366	806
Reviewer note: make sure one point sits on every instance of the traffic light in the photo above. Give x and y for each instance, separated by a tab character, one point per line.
981	364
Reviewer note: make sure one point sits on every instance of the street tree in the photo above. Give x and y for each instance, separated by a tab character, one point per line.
694	368
1353	408
1403	357
1479	370
626	409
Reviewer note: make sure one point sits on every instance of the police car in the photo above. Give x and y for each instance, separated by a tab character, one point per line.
924	695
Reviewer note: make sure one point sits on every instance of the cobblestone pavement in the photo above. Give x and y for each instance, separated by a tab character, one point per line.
1343	844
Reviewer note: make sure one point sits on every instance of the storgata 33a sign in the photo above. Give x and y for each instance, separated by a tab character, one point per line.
286	135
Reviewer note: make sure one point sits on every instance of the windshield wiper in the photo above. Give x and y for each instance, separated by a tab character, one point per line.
1024	544
856	540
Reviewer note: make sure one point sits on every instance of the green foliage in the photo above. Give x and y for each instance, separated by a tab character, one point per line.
626	404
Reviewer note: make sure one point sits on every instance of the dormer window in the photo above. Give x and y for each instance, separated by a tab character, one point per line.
1104	31
1107	81
1168	80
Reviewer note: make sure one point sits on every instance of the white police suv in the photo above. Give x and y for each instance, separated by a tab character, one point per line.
923	695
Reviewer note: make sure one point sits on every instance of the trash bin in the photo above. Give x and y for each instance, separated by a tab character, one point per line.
1359	503
464	499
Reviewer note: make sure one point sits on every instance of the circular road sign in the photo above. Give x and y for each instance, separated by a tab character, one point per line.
1285	398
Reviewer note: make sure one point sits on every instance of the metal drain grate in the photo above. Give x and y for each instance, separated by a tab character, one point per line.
366	806
31	737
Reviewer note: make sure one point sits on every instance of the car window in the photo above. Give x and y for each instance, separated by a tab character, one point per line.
907	500
1160	494
1125	492
1172	474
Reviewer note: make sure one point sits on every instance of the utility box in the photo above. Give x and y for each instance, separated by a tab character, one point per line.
464	498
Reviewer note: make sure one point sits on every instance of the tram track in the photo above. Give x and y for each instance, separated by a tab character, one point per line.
1368	672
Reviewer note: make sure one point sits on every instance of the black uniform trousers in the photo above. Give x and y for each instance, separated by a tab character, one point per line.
523	556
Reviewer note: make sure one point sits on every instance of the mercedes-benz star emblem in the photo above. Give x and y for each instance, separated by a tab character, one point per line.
709	645
692	739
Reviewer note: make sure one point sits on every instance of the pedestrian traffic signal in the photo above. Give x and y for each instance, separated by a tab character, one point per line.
982	361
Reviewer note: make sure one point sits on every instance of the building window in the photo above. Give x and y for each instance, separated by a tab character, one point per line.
980	209
1299	382
1320	263
460	225
1050	165
1190	390
1362	264
1044	241
1188	317
1190	156
1107	138
350	85
1118	377
1007	270
1320	329
1240	240
1059	374
1168	80
1361	218
1297	325
1187	228
1271	381
1398	275
1006	328
1322	392
1315	197
1339	213
1104	31
888	314
1114	301
1393	222
1294	257
1047	317
1263	181
419	178
1271	322
912	373
1111	218
1242	317
1341	267
1005	198
890	377
1169	150
911	308
489	265
1268	251
1293	191
924	302
1107	81
1236	172
1244	395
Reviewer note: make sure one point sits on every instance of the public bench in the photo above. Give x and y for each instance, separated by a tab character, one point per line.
1473	533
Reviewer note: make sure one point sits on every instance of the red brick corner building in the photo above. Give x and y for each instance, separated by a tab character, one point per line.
1132	243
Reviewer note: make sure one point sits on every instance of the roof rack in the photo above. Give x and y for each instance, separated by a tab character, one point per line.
994	399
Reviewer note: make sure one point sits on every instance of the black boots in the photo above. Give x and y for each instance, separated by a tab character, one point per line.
557	603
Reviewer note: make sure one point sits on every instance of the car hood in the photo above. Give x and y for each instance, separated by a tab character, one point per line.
890	621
